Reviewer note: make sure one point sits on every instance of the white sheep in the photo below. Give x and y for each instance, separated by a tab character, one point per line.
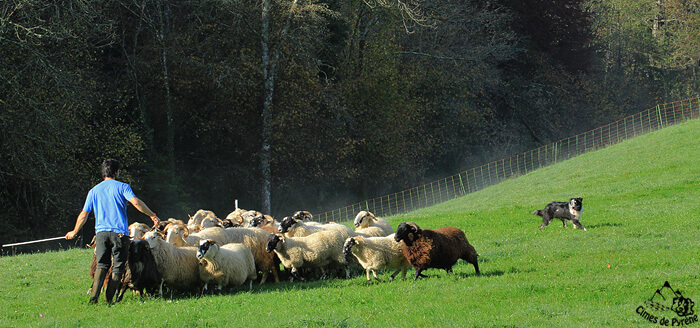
367	225
235	218
305	216
179	235
291	227
209	222
253	238
314	251
261	221
137	230
195	222
376	253
178	266
227	265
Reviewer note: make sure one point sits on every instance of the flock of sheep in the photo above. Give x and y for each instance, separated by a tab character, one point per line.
209	253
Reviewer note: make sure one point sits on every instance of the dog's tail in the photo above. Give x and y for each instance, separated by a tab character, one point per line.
538	212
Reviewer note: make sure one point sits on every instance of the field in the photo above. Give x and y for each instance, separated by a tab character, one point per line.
641	200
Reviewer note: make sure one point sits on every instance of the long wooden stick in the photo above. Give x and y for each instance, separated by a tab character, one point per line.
34	241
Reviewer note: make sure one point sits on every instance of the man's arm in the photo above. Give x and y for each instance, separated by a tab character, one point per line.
143	208
82	218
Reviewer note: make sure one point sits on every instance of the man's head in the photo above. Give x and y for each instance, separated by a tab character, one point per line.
110	168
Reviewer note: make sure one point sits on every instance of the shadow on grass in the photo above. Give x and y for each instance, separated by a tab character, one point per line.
285	285
604	225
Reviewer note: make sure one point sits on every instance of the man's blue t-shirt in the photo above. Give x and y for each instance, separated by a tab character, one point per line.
108	200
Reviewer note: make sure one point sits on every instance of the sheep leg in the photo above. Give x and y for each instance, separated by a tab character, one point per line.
374	273
295	274
162	281
368	278
274	273
419	274
264	277
391	278
203	289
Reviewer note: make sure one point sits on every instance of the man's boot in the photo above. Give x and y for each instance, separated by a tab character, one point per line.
99	279
112	287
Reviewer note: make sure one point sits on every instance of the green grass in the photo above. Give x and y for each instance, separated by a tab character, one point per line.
641	200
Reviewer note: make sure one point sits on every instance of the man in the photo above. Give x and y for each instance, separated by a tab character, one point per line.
108	202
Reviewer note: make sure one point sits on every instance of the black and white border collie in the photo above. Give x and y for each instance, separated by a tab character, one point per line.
564	211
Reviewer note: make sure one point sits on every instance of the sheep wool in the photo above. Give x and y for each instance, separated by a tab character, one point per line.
179	235
367	225
439	248
291	227
178	266
316	251
199	216
377	253
227	265
144	275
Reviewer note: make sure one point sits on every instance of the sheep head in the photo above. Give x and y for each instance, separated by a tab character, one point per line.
176	234
209	222
347	247
137	230
272	241
138	250
408	232
191	220
152	238
207	249
363	219
303	216
257	221
247	216
228	223
286	224
199	216
235	217
349	243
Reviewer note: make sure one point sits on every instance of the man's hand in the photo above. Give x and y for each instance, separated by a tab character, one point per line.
71	234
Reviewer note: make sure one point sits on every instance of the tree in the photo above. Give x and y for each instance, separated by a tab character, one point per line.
59	112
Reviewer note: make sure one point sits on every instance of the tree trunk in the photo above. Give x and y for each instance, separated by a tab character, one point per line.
164	13
268	89
268	67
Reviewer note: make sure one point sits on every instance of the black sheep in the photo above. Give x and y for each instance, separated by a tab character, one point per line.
142	271
439	248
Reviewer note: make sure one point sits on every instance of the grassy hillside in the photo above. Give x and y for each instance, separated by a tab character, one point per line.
640	203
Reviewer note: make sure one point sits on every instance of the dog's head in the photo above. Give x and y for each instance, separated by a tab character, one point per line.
576	204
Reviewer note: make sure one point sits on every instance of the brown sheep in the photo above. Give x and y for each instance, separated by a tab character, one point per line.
439	248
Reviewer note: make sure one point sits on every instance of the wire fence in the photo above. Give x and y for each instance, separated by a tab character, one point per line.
480	177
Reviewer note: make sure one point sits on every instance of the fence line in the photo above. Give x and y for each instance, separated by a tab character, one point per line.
460	184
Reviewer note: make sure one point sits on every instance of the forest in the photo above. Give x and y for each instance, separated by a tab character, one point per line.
286	105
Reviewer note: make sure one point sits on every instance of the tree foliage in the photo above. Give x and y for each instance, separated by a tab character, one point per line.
370	97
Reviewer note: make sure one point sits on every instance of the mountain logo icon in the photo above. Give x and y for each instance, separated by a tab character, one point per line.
667	299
